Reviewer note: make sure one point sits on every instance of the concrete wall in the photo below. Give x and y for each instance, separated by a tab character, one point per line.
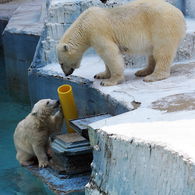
19	51
189	8
142	158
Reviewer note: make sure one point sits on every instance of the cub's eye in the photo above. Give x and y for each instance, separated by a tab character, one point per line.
61	64
47	103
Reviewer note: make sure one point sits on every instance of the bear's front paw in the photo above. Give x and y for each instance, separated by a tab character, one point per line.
102	75
43	164
156	77
144	72
108	82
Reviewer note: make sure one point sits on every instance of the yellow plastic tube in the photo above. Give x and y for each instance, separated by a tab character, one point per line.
68	104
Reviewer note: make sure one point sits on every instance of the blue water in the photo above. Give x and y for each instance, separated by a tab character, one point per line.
14	179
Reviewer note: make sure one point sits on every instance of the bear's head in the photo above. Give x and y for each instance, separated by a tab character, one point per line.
45	107
68	58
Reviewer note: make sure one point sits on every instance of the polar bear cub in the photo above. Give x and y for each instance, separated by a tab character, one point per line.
142	27
31	137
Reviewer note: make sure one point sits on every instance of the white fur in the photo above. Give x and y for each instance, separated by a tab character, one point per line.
31	137
143	27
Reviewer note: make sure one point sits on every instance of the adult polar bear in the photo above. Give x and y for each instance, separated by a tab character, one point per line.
144	27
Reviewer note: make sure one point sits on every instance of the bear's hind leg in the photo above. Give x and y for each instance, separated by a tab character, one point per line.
24	158
149	69
103	75
164	58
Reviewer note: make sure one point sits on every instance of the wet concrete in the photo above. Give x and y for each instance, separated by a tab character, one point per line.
178	101
175	103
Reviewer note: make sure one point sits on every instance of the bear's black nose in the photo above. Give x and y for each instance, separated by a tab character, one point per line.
70	72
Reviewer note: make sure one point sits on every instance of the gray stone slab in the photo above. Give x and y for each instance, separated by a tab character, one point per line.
71	144
81	125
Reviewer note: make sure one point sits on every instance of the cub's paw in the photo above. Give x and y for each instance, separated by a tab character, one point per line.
60	111
60	108
102	75
27	163
49	156
43	164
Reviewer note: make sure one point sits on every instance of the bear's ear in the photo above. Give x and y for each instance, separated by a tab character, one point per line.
65	47
34	113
